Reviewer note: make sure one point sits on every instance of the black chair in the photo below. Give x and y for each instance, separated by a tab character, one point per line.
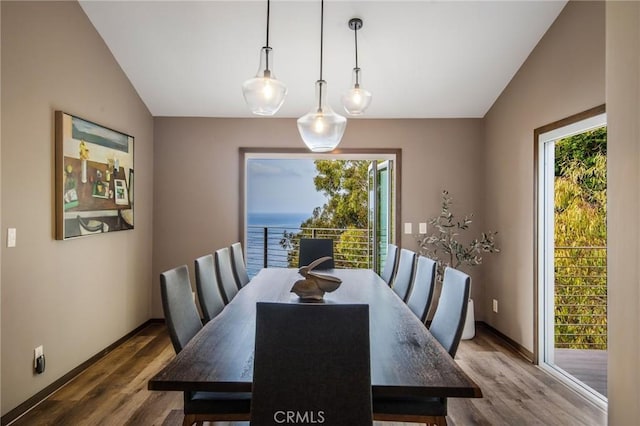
211	303
446	327
315	248
224	273
312	360
239	267
390	263
404	275
183	323
422	289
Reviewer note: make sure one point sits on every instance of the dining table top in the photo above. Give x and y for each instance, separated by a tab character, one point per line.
406	360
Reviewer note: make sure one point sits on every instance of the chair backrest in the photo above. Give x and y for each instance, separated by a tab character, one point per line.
404	275
422	289
180	312
315	248
239	268
312	360
390	263
224	273
211	303
448	321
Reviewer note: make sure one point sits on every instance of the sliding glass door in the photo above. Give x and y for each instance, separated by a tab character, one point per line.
572	278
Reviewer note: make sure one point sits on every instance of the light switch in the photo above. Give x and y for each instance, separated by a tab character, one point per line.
407	228
423	228
11	237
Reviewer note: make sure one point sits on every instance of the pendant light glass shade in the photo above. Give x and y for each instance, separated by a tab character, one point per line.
264	94
356	100
322	129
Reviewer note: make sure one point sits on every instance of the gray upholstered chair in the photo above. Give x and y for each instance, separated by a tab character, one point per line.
390	263
446	327
180	312
315	248
448	321
239	267
211	303
404	275
422	289
308	361
183	323
224	273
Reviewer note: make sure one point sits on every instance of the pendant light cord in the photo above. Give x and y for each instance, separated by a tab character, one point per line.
321	44
321	33
355	31
267	46
268	10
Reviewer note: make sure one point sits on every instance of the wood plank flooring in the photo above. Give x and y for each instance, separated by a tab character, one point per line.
114	390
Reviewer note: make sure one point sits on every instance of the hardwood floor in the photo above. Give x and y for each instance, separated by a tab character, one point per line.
114	390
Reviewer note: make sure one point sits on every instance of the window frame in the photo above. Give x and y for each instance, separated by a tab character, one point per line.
394	154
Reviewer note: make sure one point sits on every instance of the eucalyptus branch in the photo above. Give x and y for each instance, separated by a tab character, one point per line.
443	245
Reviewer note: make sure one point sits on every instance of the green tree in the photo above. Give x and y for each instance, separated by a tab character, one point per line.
345	185
580	221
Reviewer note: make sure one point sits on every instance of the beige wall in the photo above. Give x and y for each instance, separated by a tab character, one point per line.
196	162
564	75
52	58
74	297
623	158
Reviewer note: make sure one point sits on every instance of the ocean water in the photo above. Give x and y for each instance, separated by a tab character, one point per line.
276	224
283	220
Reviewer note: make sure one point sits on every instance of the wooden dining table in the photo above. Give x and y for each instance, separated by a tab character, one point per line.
406	360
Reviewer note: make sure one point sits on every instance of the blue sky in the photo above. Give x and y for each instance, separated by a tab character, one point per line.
282	186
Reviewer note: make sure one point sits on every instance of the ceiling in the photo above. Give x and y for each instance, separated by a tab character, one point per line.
420	59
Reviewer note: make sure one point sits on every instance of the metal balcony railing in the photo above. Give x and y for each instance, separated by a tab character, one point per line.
277	246
581	297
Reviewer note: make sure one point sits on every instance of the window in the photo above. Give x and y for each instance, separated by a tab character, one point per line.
357	208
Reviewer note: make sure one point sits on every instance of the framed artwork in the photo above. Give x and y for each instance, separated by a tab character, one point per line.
93	164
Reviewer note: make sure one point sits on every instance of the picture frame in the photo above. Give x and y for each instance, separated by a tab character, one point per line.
92	165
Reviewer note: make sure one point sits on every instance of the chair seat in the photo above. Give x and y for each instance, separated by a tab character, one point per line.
217	402
410	406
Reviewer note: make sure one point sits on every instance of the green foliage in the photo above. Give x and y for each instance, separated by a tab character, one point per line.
444	246
580	240
342	218
581	148
344	183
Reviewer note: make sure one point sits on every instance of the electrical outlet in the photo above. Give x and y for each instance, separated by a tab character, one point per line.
38	359
495	306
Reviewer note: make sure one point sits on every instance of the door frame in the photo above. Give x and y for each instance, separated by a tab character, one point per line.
374	209
538	227
340	153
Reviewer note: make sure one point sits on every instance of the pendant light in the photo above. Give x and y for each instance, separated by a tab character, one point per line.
321	129
264	94
356	100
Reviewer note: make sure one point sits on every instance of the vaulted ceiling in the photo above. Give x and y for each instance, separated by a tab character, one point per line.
420	59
